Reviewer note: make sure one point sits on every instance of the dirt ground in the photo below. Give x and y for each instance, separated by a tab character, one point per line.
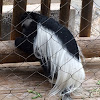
14	83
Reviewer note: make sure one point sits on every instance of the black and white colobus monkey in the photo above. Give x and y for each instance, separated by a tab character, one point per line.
56	47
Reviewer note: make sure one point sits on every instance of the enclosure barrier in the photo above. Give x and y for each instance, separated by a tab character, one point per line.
11	56
18	10
85	25
86	18
45	7
64	12
1	2
86	15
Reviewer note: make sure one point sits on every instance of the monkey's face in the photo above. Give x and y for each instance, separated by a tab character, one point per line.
29	28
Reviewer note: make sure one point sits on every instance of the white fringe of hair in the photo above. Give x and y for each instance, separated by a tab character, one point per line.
70	72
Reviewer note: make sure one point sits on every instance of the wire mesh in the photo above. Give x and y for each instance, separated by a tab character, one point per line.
14	81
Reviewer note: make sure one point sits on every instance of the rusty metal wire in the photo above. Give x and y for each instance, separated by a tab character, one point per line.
15	81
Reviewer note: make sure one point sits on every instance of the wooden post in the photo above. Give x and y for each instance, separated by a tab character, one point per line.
10	54
86	18
45	7
18	10
1	3
64	12
90	47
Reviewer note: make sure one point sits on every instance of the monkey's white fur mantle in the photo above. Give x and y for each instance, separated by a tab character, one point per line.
70	72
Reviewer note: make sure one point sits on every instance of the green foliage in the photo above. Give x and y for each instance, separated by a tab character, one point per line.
36	93
98	83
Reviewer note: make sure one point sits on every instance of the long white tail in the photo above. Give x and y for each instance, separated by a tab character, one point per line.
70	77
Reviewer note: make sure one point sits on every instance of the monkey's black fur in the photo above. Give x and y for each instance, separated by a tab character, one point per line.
30	32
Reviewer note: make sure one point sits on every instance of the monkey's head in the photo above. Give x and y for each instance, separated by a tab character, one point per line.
29	25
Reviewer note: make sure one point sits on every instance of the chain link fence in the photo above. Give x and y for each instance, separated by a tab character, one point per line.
22	74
